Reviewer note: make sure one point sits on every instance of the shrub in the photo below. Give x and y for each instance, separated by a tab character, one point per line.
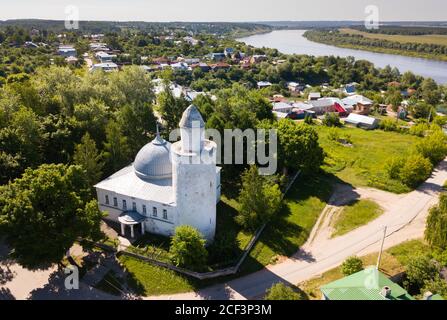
419	129
351	265
419	270
188	248
389	125
393	167
333	134
331	119
280	291
416	169
259	199
436	231
435	286
434	146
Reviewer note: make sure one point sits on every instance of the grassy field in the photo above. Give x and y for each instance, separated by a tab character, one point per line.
282	237
363	164
355	215
423	39
393	262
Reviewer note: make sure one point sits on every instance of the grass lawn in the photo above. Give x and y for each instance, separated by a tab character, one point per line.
147	279
284	235
110	284
393	262
355	215
363	164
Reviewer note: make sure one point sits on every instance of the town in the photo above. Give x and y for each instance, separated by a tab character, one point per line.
93	185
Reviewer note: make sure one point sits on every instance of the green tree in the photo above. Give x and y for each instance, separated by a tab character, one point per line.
188	248
280	291
143	125
171	108
420	269
416	169
434	146
45	211
298	146
86	155
437	285
436	230
259	199
331	119
116	148
351	265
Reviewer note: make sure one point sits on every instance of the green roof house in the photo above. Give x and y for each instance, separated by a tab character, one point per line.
368	284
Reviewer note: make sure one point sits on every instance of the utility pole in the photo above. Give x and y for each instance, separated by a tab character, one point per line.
381	248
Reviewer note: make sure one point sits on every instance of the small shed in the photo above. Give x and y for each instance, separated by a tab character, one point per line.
361	121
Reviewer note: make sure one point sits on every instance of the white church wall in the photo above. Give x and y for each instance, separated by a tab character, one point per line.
160	222
195	190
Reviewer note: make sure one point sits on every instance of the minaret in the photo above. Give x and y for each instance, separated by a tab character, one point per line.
194	175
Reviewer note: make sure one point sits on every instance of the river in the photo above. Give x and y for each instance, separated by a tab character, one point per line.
293	42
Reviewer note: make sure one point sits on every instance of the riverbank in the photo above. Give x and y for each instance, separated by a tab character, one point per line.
293	42
335	41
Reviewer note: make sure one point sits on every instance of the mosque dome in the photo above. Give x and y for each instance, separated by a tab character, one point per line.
153	161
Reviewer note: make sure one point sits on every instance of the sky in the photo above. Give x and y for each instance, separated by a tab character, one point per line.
225	10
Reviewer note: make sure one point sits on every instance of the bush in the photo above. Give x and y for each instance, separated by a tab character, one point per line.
416	169
280	291
351	265
333	134
259	198
420	269
434	146
436	230
389	125
188	248
435	286
393	167
331	119
419	129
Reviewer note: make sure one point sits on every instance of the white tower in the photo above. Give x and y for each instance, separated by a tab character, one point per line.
194	175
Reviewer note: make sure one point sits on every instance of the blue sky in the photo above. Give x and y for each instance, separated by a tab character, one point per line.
224	10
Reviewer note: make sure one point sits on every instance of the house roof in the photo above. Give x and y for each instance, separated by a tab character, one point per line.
314	95
364	285
357	98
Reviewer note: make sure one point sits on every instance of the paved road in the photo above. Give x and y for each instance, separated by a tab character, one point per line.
404	216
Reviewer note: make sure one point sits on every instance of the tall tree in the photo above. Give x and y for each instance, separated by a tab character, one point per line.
86	155
170	107
436	230
45	211
259	200
116	148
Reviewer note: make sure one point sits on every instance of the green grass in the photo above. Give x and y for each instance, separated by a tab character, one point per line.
423	39
393	262
285	234
355	215
364	163
282	237
146	279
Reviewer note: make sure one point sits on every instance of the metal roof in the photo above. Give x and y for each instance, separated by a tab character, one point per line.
364	285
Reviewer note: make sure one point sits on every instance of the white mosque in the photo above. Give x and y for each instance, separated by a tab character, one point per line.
167	185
